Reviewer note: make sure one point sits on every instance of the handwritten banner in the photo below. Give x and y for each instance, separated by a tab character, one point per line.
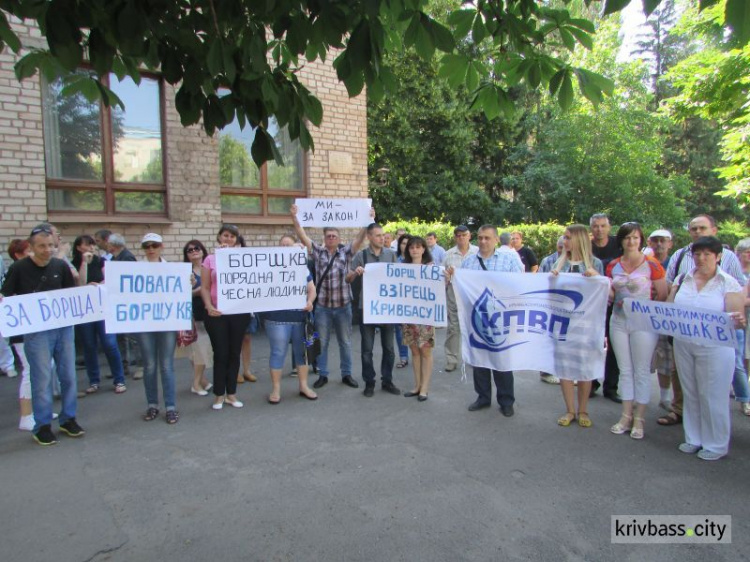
148	297
541	322
261	279
37	312
340	213
698	325
401	293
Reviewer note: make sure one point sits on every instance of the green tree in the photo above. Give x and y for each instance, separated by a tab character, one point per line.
236	168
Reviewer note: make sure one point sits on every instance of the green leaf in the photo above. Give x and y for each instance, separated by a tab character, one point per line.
84	85
354	84
63	36
264	148
7	34
584	24
424	45
478	30
534	76
487	99
230	69
472	78
442	37
583	37
313	109
101	53
567	38
649	6
703	4
565	95
215	57
462	20
108	96
305	138
454	68
737	16
612	6
555	81
376	91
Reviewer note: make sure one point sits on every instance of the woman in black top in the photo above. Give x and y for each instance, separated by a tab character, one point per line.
90	269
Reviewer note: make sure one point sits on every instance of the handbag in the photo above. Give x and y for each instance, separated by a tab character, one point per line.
187	337
312	340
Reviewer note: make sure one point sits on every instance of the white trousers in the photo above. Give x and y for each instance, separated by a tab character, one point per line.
6	355
705	376
633	351
25	389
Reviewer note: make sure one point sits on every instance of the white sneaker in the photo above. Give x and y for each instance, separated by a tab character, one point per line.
11	373
234	403
549	379
27	423
200	392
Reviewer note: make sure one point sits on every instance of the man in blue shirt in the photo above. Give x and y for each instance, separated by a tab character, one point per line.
489	258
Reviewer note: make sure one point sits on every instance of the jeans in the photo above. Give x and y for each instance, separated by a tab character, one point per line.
503	382
634	350
279	334
387	332
403	350
41	348
90	333
226	333
340	320
157	348
739	382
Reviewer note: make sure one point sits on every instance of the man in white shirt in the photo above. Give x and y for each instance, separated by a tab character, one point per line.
506	248
437	251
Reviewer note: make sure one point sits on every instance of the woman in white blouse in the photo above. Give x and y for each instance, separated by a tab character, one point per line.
706	371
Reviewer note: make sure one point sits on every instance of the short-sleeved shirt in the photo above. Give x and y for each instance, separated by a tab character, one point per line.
528	258
25	277
608	252
438	254
210	264
729	263
333	290
499	261
637	283
454	258
366	256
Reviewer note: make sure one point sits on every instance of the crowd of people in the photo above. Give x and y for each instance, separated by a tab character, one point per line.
694	380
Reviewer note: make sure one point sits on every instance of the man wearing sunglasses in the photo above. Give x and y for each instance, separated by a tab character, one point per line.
34	274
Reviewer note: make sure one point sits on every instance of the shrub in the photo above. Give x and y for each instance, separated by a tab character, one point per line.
444	231
540	237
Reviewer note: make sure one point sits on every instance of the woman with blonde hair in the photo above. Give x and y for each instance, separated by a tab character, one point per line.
577	257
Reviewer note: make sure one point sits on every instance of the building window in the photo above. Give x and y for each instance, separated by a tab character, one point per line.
266	191
105	160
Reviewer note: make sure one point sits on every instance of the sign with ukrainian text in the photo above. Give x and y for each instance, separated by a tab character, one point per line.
697	325
540	322
261	279
37	312
401	293
148	297
340	213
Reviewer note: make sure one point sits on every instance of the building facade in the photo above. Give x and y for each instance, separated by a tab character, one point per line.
84	167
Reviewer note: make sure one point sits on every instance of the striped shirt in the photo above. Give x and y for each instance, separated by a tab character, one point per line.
729	263
334	291
499	261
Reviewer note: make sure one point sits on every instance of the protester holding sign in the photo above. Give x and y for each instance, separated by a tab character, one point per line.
403	349
333	309
488	258
706	371
577	257
90	271
283	325
419	338
226	331
157	348
194	252
633	276
37	273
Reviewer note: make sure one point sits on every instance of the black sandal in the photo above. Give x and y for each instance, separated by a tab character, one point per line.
151	414
172	416
672	418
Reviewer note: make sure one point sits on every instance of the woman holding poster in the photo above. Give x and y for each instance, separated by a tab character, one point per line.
705	371
157	348
283	325
577	257
633	276
226	331
420	339
201	354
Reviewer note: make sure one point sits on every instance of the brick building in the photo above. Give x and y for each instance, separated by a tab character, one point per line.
84	167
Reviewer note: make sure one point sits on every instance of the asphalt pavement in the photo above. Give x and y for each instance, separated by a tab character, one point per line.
349	478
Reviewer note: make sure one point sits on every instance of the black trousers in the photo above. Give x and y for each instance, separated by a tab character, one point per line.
226	333
503	381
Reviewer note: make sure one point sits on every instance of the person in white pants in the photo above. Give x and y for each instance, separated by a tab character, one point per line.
7	362
706	372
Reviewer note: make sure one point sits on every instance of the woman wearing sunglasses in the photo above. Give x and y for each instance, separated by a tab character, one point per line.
194	252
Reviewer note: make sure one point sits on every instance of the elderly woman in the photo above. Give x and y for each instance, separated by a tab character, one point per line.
157	349
226	331
706	372
576	257
194	252
283	325
633	276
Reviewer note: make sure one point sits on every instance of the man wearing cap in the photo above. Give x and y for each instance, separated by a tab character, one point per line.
34	274
660	243
454	258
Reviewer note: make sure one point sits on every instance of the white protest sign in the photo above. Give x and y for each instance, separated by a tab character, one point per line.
341	213
401	293
698	325
261	279
37	312
540	322
148	297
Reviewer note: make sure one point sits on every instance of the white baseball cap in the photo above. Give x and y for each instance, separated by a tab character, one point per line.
151	237
661	233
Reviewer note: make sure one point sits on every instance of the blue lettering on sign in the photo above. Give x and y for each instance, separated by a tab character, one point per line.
492	322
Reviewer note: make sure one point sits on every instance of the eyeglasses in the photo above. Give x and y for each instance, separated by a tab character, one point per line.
192	249
39	230
150	246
